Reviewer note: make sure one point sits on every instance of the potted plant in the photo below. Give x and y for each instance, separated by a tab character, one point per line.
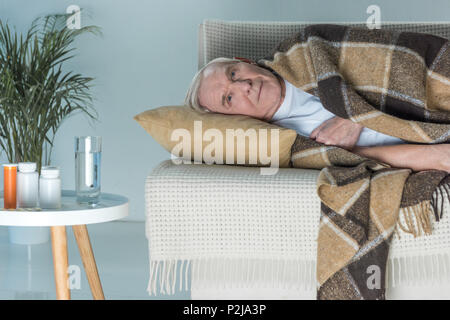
36	94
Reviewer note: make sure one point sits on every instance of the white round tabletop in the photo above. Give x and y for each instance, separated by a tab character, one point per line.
110	207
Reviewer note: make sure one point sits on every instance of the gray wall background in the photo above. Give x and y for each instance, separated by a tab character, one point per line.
147	57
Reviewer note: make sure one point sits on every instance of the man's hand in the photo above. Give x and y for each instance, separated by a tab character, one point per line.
338	132
413	156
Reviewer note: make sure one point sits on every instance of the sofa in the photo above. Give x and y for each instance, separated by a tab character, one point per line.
228	232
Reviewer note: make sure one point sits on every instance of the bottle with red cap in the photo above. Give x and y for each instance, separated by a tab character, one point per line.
9	185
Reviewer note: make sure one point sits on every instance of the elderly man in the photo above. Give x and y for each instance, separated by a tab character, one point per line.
235	86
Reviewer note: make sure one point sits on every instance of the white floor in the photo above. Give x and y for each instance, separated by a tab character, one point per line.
121	253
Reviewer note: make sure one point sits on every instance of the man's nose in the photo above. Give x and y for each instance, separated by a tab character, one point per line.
244	85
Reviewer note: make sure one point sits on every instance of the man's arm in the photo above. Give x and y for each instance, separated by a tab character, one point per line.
337	131
414	156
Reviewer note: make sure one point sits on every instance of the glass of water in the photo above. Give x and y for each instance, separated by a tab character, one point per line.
88	152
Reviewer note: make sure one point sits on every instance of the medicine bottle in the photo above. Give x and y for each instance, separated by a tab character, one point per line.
50	188
27	185
9	185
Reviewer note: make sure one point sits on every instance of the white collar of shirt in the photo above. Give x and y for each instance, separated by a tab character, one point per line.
285	108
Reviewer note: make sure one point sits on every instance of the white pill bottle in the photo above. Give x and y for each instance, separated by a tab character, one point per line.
50	188
27	185
27	197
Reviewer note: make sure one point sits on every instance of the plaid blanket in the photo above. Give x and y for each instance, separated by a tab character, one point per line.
397	83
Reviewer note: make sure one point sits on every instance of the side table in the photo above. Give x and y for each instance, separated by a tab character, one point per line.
111	207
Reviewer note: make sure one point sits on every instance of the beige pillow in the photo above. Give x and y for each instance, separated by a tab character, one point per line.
218	138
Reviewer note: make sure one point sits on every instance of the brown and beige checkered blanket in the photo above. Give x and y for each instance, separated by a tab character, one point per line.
397	83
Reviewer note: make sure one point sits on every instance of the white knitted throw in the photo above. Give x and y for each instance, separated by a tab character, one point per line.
230	227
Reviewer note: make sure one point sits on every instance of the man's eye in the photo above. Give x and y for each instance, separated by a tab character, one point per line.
232	75
229	98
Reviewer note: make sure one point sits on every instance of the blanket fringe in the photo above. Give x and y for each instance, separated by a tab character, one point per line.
168	275
416	220
431	269
233	273
437	200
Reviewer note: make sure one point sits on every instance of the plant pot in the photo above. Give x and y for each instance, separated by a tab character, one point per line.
29	235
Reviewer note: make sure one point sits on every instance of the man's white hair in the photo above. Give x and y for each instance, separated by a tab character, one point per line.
191	98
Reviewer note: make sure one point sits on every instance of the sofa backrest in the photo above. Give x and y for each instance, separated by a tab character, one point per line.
254	40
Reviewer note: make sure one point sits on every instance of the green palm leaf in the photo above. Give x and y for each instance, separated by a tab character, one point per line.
36	95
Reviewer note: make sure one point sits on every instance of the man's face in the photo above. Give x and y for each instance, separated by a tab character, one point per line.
240	88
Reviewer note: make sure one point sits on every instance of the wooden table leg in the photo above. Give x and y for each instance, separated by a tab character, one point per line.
84	245
60	262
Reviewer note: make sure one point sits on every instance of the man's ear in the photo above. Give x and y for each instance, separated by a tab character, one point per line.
245	60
